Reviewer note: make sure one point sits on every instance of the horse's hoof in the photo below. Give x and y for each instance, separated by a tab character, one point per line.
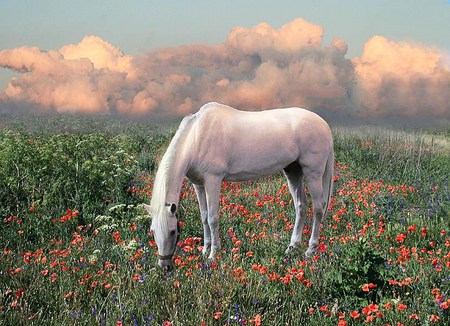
290	250
310	253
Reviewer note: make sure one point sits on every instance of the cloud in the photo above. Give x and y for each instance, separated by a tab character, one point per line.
405	79
76	78
290	38
254	68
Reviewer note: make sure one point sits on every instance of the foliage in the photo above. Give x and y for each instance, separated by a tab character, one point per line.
75	254
52	171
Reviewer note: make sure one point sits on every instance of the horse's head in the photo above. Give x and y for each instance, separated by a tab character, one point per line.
166	233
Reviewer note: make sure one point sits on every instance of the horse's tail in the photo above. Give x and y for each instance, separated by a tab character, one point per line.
327	180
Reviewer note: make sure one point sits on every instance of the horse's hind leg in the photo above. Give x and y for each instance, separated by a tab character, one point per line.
294	176
316	190
201	196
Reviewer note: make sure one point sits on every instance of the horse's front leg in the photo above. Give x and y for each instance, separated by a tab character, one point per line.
212	188
201	196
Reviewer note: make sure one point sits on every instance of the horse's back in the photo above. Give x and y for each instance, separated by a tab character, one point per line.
218	120
245	144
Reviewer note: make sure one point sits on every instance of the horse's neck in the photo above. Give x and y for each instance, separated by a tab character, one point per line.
177	174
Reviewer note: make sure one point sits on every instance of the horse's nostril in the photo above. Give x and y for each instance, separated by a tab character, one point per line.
168	268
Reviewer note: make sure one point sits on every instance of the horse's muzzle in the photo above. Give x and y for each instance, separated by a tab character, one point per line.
165	262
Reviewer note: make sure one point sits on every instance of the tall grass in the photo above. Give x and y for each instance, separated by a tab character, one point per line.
384	255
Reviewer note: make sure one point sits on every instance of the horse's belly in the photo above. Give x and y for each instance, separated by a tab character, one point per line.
254	168
248	175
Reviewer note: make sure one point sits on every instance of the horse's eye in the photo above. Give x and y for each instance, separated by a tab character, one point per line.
172	233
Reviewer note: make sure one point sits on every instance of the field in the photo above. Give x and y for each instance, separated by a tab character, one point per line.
76	249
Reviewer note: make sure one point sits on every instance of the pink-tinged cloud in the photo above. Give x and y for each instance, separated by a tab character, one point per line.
399	78
254	68
290	38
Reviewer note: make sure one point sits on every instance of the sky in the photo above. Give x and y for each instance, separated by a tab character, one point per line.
372	57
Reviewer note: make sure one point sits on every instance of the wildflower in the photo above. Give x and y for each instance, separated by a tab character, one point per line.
217	315
368	287
412	228
400	238
369	319
444	305
354	314
435	291
19	293
116	236
257	320
373	307
414	316
401	307
423	232
434	318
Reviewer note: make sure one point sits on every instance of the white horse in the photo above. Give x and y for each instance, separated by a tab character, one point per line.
221	143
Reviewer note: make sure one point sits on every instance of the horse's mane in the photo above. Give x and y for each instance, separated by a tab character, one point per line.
160	189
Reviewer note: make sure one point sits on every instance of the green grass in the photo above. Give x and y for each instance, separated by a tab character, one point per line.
384	251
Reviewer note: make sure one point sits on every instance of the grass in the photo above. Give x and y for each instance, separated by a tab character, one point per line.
384	256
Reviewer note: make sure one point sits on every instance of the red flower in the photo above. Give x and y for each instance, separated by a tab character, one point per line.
116	236
400	237
423	232
19	293
368	287
369	319
354	314
401	307
434	318
257	320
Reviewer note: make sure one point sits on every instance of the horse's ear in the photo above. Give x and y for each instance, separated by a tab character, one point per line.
147	207
173	209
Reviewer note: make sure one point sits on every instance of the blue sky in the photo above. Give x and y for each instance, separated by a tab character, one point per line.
139	26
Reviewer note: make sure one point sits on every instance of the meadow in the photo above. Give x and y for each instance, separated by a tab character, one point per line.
76	248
